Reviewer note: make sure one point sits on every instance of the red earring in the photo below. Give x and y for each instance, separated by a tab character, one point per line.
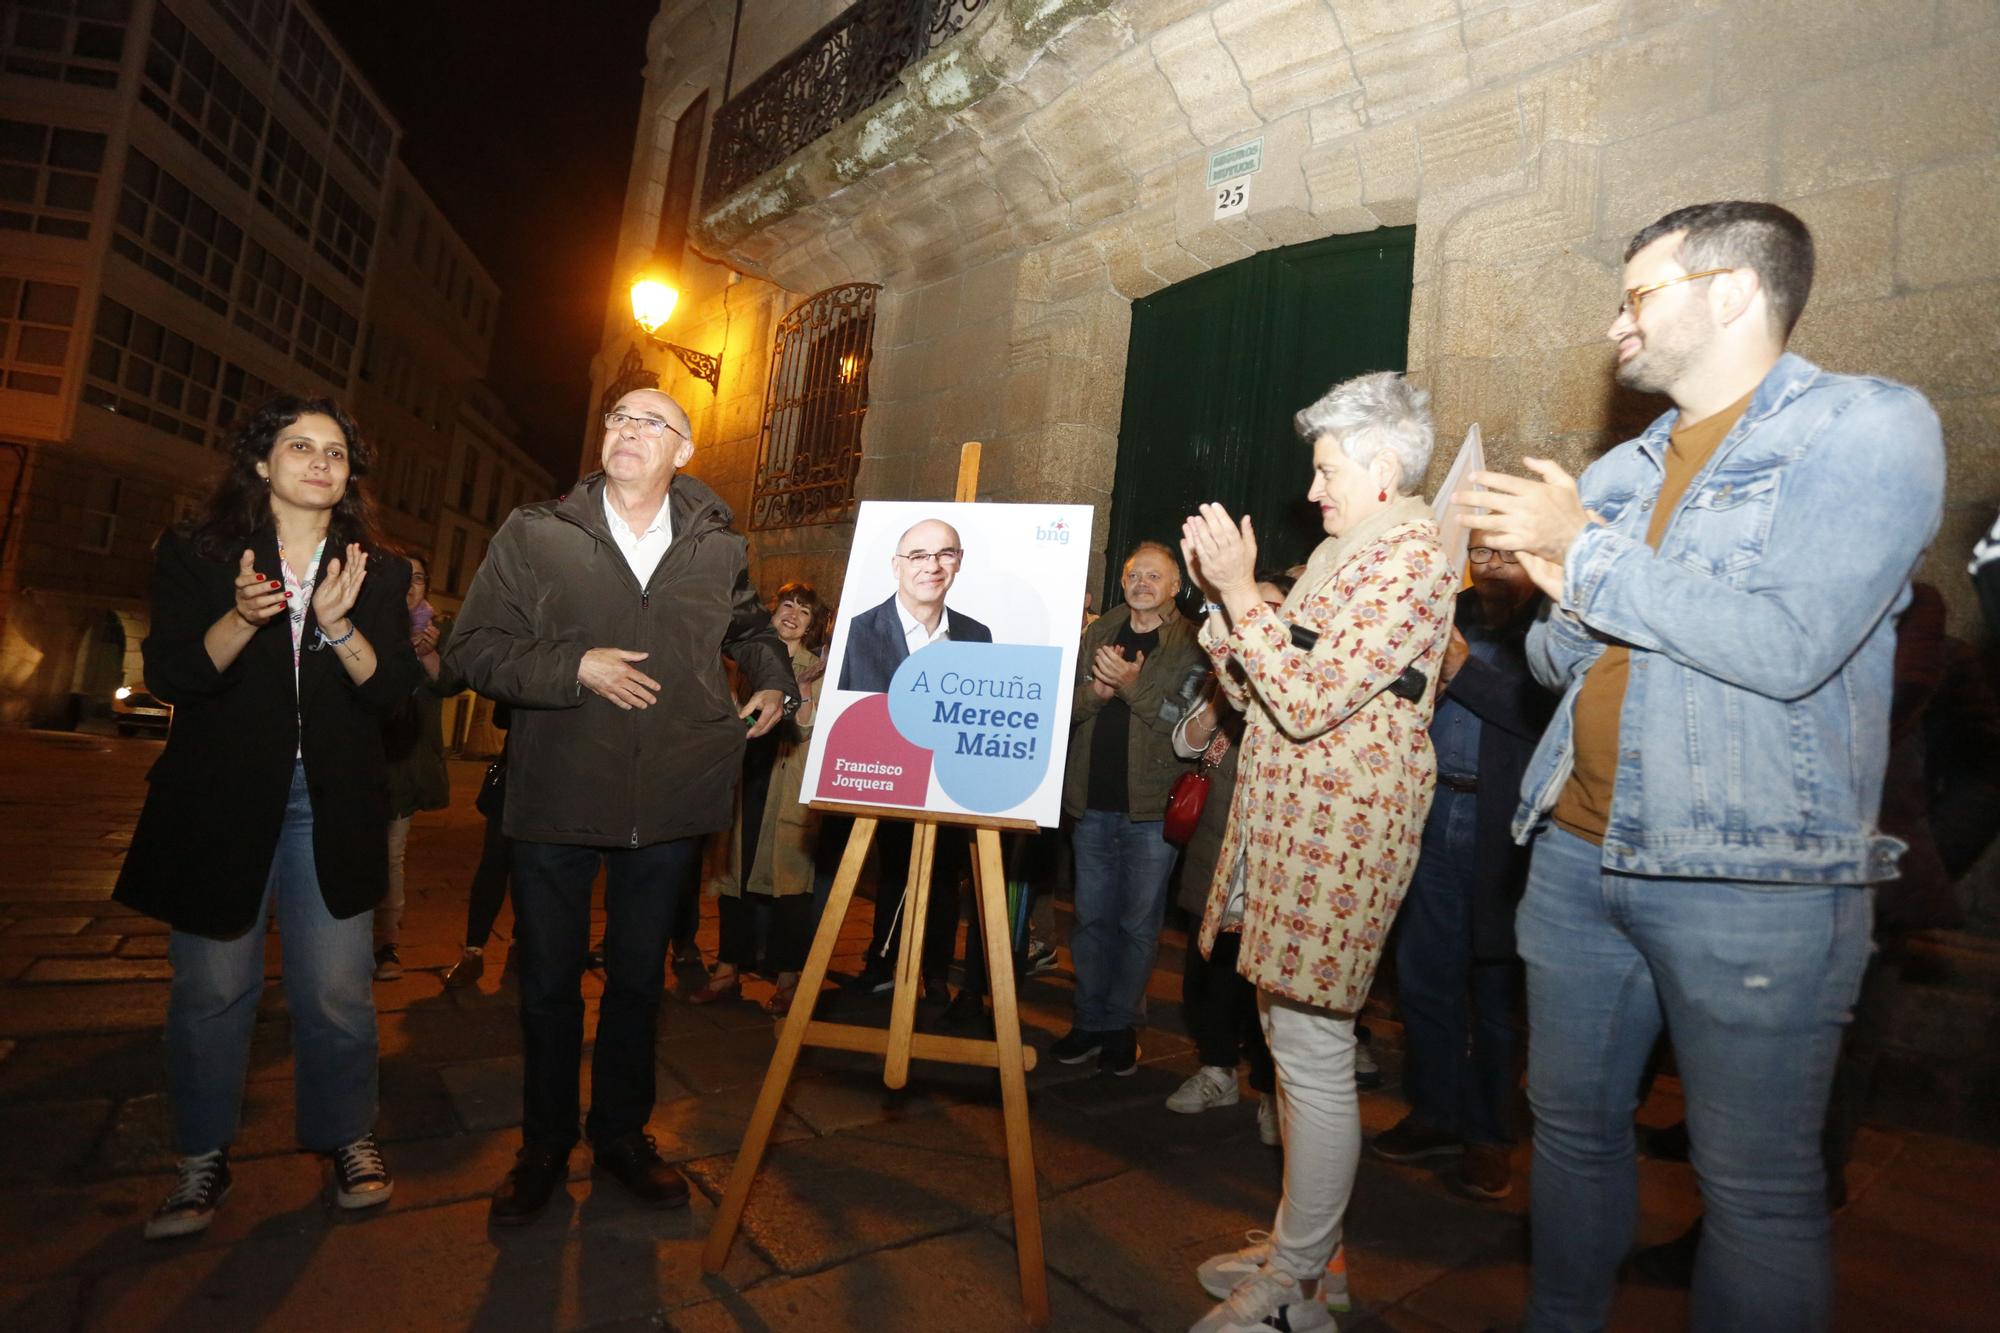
1382	494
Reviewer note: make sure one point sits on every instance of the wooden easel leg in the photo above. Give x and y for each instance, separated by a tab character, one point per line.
758	1136
992	894
909	961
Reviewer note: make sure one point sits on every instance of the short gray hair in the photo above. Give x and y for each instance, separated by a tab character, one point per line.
1371	413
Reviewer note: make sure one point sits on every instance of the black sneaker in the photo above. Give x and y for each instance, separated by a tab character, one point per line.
200	1190
876	978
467	971
1076	1046
1120	1056
1410	1140
1041	956
360	1177
388	964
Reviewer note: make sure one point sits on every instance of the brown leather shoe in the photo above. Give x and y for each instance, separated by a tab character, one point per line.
638	1166
538	1170
1485	1172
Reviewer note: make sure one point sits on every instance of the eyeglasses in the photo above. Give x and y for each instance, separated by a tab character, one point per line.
947	558
1635	296
1482	555
650	427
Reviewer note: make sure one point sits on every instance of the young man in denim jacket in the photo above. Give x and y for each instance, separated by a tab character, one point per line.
1724	597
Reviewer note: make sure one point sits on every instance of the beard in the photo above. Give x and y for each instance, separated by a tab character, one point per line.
1666	355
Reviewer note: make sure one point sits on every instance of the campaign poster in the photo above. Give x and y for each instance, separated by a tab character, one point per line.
947	685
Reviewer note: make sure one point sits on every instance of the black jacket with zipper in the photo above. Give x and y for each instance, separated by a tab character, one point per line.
554	585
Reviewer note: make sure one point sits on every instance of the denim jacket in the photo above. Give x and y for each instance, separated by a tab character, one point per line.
1755	725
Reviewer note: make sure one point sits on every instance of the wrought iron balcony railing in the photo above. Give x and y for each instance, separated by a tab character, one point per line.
840	71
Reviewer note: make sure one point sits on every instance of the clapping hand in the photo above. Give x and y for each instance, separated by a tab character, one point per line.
1111	671
339	585
259	599
1220	553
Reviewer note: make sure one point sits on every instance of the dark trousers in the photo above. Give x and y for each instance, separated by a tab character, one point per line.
489	884
788	933
1221	1008
951	861
644	887
1462	1047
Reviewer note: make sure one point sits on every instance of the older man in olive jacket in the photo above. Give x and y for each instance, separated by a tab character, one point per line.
1121	766
603	617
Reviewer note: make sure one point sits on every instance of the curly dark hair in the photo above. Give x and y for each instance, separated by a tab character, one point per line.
241	503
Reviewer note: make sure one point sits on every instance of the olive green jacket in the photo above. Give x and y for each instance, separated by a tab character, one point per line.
1151	764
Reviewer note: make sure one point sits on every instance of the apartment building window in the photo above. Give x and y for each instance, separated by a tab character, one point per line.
255	21
345	232
242	391
192	91
308	66
144	370
326	336
454	569
288	180
361	131
468	482
813	409
268	294
48	178
174	234
70	41
35	323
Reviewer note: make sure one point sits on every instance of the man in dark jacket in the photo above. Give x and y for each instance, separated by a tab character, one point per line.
602	617
1456	969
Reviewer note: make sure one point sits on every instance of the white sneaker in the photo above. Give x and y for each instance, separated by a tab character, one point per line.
1222	1274
1207	1088
1268	1128
1269	1298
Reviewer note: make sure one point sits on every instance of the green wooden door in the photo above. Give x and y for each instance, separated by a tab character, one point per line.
1217	366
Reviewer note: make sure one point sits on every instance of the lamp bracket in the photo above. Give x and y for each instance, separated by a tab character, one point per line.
700	364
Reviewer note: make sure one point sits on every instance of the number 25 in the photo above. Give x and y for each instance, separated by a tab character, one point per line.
1229	196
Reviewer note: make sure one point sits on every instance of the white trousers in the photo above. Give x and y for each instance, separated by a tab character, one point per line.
1321	1120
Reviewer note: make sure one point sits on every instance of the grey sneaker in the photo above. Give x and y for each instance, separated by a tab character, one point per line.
1269	1298
1207	1088
1225	1272
202	1185
388	964
360	1177
1269	1130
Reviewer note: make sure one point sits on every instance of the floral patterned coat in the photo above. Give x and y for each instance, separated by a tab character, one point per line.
1336	774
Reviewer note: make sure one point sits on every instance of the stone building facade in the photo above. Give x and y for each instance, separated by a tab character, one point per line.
1025	181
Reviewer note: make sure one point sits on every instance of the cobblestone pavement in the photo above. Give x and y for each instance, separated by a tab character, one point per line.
875	1210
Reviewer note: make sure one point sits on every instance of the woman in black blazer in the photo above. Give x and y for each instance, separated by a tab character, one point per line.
279	633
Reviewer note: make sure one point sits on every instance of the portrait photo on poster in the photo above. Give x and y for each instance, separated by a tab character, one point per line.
951	660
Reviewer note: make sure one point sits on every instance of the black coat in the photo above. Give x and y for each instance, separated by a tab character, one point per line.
580	769
1514	710
202	852
876	646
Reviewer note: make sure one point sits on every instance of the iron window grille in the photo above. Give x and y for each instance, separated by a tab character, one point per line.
814	404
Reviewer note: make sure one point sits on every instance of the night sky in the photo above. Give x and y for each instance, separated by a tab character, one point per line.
518	118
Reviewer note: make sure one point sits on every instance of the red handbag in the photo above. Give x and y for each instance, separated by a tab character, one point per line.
1184	802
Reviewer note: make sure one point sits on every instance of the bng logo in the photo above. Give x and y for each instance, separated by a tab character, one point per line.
1057	532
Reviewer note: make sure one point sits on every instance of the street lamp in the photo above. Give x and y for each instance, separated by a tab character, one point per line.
652	303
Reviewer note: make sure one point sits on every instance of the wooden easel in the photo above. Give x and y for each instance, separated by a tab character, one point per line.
900	1041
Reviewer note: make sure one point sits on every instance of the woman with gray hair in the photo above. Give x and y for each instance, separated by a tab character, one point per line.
1335	781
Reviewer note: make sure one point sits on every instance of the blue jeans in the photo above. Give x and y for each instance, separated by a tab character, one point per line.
644	888
329	972
1460	1044
1122	868
1754	984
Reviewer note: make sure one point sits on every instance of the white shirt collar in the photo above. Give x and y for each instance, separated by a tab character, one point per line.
914	633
